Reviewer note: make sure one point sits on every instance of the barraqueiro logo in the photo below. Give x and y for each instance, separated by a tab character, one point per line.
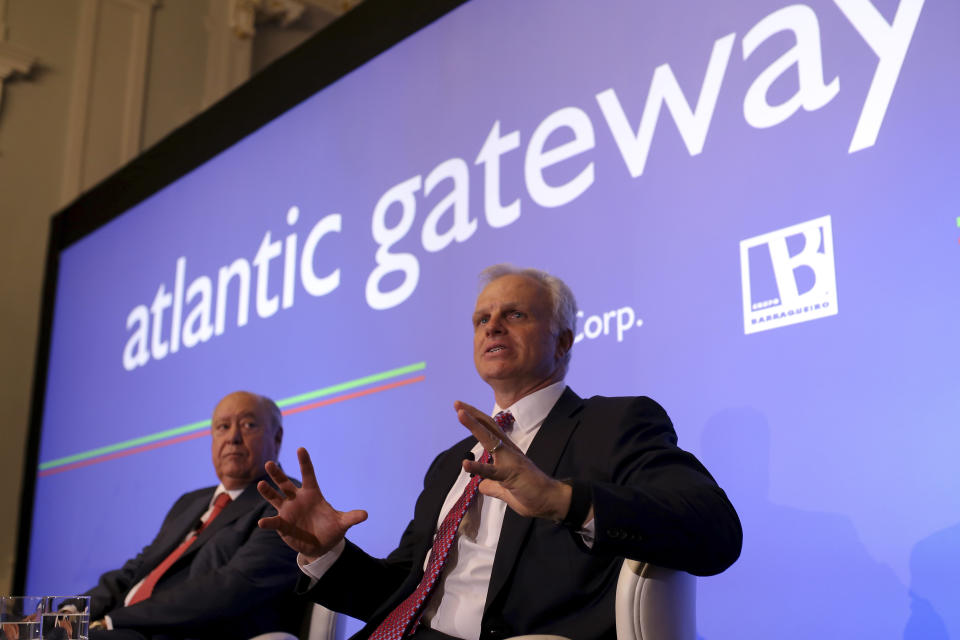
788	276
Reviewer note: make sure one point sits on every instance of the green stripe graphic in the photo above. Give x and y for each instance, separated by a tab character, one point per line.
352	384
196	426
126	444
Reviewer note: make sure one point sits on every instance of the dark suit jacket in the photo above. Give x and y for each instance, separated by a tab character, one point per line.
652	502
235	581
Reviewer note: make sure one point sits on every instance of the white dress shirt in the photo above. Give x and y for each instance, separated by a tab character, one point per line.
456	605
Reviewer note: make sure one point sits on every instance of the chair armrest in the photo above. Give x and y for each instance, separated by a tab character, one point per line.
323	623
654	603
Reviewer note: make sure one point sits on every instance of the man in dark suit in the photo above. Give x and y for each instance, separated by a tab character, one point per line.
226	578
572	487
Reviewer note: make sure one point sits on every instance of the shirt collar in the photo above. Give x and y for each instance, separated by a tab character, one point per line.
234	493
531	410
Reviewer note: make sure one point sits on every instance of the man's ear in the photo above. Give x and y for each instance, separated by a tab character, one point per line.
278	437
564	343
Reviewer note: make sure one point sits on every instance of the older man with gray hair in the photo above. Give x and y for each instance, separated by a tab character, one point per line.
210	572
527	535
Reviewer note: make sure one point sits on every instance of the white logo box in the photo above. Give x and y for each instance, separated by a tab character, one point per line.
783	287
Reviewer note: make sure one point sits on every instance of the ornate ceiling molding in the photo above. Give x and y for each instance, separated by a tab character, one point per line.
232	28
335	7
14	62
245	14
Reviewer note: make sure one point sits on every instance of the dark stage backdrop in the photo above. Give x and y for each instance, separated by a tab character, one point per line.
755	202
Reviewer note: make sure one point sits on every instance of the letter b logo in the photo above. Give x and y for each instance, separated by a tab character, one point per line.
788	276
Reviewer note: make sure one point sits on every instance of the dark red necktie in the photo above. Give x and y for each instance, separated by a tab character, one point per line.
146	588
406	616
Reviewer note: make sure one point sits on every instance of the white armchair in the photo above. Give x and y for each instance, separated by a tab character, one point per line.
652	603
323	626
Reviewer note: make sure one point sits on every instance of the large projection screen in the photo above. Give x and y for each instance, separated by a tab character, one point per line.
757	204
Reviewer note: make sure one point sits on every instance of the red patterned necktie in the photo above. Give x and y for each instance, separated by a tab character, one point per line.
404	619
146	588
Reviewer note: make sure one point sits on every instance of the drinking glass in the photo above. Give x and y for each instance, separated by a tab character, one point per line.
21	617
66	618
44	618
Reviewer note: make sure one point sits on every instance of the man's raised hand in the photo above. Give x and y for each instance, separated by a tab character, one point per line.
511	476
304	520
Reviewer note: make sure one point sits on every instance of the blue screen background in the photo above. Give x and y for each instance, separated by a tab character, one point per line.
835	438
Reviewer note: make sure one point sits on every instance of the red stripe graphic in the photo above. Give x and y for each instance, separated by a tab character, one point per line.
205	432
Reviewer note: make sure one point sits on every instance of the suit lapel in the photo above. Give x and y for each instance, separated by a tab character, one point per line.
446	475
436	493
545	451
244	503
236	508
182	524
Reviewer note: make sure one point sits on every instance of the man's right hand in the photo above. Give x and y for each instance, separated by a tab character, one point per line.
304	520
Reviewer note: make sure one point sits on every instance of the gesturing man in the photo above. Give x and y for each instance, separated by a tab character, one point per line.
529	536
210	572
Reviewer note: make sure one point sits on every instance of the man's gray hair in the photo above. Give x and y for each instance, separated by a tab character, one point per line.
564	305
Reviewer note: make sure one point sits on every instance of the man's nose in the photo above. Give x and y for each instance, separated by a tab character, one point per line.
494	325
235	434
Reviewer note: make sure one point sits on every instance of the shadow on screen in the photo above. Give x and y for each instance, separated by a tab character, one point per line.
802	574
935	587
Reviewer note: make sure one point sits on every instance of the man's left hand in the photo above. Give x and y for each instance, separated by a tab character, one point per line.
511	476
